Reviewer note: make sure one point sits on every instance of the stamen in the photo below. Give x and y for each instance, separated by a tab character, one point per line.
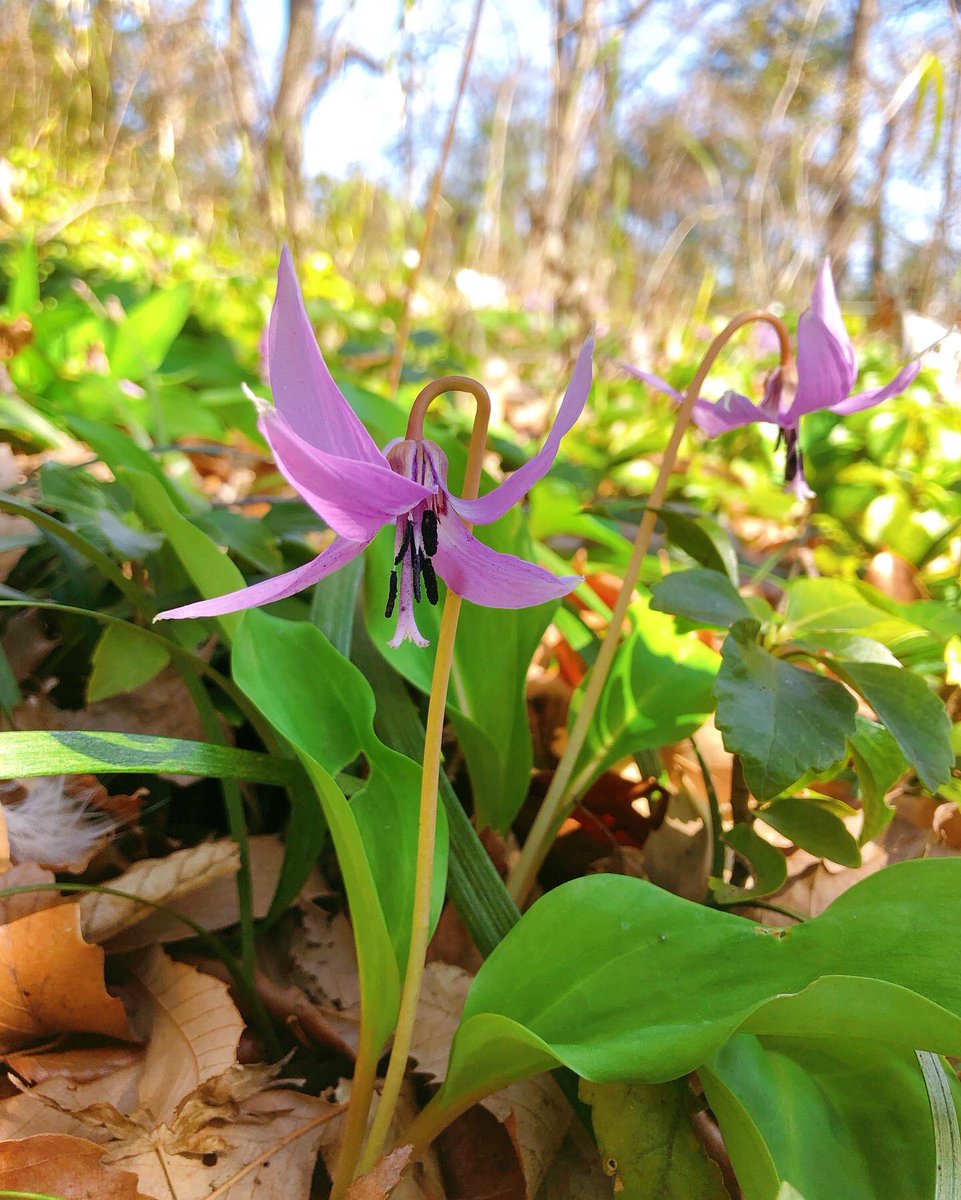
391	595
428	531
407	542
416	558
430	578
793	463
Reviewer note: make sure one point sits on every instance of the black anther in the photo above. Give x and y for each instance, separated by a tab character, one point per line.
794	462
430	578
406	544
416	558
391	595
428	531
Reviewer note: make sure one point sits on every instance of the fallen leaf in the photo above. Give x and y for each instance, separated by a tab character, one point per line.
51	981
78	1066
381	1180
647	1143
159	880
25	641
316	953
576	1172
67	1167
194	1029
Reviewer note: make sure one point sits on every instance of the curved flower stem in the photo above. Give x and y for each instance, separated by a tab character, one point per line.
557	802
427	836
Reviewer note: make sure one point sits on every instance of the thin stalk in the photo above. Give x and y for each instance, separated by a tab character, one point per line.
718	854
433	203
560	796
430	779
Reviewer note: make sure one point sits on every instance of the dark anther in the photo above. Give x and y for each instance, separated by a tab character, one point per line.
408	542
430	579
428	531
416	558
793	463
391	595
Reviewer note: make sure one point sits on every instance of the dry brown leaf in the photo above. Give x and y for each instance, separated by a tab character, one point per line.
159	880
533	1112
78	1066
379	1183
24	638
64	1166
210	900
317	955
12	908
194	1029
576	1172
51	981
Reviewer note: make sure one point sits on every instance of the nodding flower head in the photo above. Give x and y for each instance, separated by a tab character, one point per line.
821	380
325	453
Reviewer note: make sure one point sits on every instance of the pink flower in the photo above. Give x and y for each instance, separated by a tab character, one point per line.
827	370
326	454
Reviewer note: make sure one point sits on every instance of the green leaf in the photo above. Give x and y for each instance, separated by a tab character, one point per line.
703	539
913	714
210	569
781	720
817	606
619	980
648	1144
145	337
24	297
813	828
124	660
808	1112
700	596
658	692
83	752
488	701
879	764
767	863
320	702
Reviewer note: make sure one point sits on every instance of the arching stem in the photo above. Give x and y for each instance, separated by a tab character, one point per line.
559	799
427	835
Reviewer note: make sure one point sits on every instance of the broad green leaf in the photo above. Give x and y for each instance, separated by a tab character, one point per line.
850	647
701	596
620	980
768	866
813	828
487	702
145	337
914	715
879	764
320	702
781	720
92	752
24	297
123	660
646	1141
703	539
808	1113
210	569
816	606
557	510
658	692
117	449
97	511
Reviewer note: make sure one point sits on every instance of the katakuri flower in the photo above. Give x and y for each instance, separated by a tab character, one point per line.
326	454
825	372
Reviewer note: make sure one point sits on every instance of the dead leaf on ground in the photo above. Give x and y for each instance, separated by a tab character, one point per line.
379	1183
25	641
159	880
576	1172
79	1066
64	1166
51	981
194	1029
316	954
12	908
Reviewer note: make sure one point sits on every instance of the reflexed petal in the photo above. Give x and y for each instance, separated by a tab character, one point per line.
354	498
484	576
492	506
824	305
903	380
654	381
303	388
824	377
337	555
732	411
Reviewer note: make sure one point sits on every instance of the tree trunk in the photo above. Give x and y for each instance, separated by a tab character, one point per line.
284	142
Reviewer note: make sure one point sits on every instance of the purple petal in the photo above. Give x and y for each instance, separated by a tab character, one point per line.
732	411
904	378
824	305
337	555
484	576
824	377
354	498
303	388
654	381
492	506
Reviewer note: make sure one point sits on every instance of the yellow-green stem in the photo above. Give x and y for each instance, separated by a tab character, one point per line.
560	795
361	1095
430	777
